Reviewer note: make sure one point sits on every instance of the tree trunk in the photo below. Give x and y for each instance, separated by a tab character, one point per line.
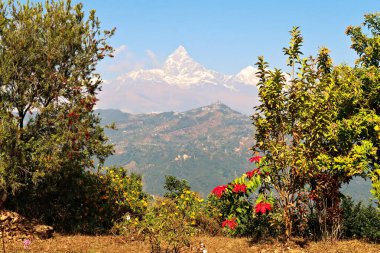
3	198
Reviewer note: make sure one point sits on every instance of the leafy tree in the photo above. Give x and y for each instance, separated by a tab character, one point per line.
175	186
48	85
310	128
290	125
365	111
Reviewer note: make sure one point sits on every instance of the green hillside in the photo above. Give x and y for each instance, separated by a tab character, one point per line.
207	146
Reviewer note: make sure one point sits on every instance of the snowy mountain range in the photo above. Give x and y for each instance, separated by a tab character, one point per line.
179	84
181	70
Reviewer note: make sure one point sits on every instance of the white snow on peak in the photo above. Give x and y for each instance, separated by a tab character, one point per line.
247	76
181	70
179	53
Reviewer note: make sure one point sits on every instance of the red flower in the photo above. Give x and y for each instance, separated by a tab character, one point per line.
73	115
219	190
263	207
250	174
255	159
239	188
232	224
312	195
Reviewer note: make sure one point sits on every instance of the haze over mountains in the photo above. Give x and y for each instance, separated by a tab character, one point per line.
180	84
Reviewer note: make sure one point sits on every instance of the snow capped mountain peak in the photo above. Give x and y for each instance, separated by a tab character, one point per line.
181	70
247	76
247	71
180	63
180	52
181	83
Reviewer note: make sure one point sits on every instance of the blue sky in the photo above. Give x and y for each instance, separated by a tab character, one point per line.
229	35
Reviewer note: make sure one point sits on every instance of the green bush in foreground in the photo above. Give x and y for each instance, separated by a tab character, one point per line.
88	203
167	222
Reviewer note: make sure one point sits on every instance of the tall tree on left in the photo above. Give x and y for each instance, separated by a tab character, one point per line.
48	86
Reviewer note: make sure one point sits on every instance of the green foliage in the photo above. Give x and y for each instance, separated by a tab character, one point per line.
237	206
361	222
167	222
291	124
89	203
48	87
175	186
322	122
366	76
125	191
368	48
49	134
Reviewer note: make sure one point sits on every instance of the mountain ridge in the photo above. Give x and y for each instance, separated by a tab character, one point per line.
207	146
181	69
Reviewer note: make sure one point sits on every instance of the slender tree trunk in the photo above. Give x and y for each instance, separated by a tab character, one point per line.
3	198
288	223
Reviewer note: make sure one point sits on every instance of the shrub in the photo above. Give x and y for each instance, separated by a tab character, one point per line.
86	203
164	224
175	186
240	213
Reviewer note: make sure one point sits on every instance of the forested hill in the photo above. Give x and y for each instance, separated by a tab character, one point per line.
207	146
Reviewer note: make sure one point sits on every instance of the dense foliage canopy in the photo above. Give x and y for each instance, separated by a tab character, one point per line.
319	126
49	134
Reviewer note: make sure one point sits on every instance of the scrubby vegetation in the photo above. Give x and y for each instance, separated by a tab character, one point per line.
316	128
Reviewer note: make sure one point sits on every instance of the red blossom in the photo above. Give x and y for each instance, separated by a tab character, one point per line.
219	190
232	224
239	188
251	173
73	115
263	207
255	159
312	195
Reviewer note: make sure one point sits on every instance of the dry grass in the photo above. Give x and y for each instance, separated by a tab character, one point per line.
112	244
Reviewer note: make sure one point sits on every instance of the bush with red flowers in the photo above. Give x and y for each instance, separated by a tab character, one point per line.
219	190
235	201
263	207
256	159
239	188
231	223
253	172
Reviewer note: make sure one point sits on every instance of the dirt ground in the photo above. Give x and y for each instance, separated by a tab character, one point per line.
113	244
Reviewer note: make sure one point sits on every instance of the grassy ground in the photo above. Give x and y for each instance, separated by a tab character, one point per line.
112	244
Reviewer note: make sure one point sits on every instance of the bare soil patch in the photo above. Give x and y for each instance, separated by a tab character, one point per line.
114	244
